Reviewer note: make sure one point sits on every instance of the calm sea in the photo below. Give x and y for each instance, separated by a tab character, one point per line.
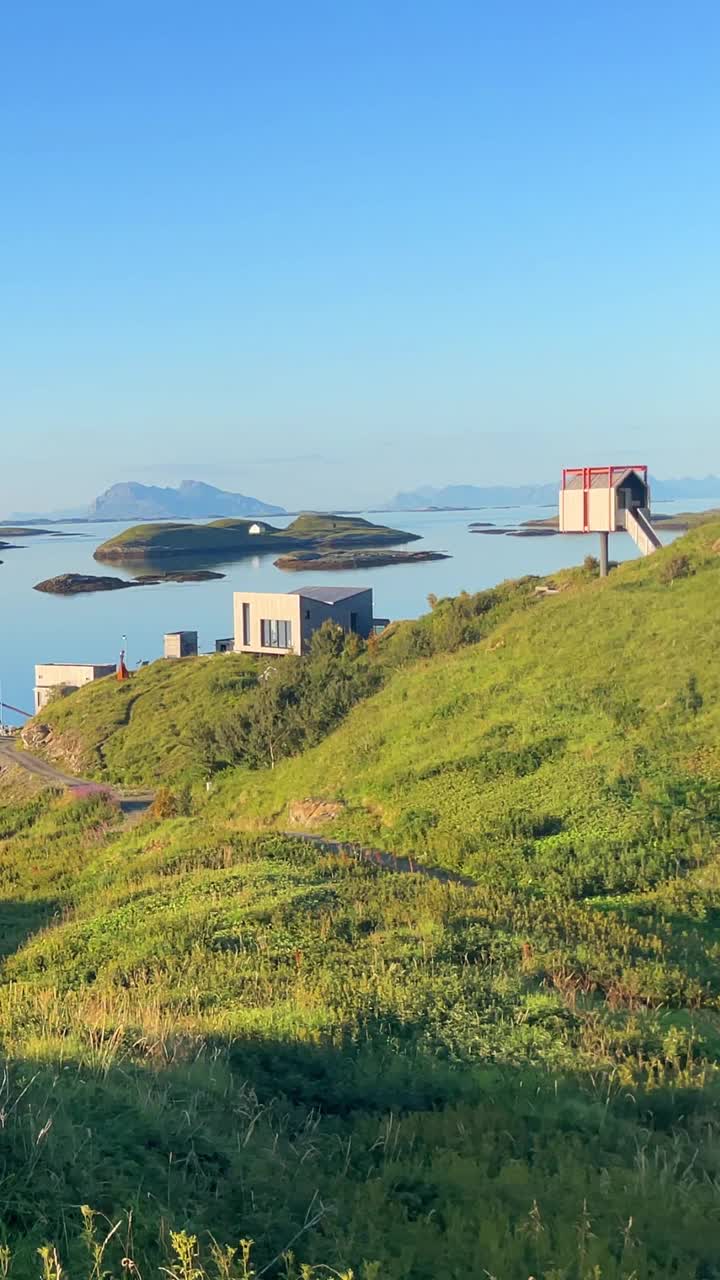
41	628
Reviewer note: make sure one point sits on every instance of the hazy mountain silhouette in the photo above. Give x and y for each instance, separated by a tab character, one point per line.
469	495
192	500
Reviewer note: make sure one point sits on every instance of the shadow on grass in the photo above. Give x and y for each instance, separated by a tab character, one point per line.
19	920
358	1153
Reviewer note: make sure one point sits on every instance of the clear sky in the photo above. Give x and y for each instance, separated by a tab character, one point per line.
318	252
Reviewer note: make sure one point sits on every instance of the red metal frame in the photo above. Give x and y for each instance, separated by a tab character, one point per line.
587	474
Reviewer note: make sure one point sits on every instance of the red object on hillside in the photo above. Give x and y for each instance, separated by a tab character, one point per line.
122	671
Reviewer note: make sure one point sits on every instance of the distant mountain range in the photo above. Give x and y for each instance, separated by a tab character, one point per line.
532	495
192	500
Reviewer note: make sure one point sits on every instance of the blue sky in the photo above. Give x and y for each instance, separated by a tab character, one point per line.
322	251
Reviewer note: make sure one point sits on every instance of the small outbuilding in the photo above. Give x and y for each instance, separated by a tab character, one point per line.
180	644
55	679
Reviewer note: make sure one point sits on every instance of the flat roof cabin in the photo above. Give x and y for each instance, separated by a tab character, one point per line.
66	677
284	622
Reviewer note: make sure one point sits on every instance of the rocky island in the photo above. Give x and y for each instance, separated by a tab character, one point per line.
355	559
222	539
680	522
75	584
22	531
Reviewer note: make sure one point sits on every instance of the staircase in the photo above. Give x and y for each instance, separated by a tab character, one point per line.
636	522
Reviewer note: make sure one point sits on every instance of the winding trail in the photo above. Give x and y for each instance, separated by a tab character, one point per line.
130	801
379	858
134	803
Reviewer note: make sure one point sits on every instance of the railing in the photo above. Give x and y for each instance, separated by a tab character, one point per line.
638	525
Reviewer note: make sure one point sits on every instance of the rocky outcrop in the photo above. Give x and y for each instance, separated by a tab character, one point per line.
355	559
313	813
75	584
63	749
35	735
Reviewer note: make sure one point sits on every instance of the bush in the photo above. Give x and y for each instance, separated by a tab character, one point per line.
676	567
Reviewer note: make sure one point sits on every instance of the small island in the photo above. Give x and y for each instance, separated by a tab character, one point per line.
222	539
680	522
529	529
76	584
22	531
355	559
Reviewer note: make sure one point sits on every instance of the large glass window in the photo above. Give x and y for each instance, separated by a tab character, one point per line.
276	633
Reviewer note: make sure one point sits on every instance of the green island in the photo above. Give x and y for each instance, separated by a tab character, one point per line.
311	532
244	1054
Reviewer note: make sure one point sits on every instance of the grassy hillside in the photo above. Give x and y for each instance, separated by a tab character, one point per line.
239	1037
309	530
231	1034
579	740
175	720
145	730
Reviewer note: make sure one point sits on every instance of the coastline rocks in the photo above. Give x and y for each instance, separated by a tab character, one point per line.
532	533
75	584
362	559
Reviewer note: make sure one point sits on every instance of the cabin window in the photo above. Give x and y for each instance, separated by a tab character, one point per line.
353	622
276	633
246	624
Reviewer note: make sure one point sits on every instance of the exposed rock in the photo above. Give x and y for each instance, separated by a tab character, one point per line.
355	559
35	735
312	813
74	584
538	532
64	749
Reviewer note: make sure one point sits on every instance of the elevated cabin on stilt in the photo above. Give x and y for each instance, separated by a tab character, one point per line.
608	500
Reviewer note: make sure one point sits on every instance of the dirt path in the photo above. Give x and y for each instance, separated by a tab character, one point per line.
134	803
378	858
130	802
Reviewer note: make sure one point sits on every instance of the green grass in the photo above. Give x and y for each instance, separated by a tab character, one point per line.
239	1036
145	731
213	1028
578	742
155	727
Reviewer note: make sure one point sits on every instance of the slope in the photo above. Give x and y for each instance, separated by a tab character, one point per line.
240	1037
578	741
145	730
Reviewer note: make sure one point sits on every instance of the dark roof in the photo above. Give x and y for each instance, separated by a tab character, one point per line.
601	477
329	595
